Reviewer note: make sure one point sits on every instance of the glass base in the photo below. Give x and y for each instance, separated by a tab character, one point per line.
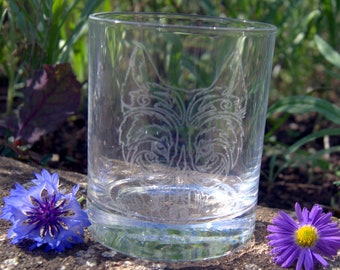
173	242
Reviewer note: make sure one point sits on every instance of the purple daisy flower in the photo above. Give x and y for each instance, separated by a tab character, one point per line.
45	214
310	239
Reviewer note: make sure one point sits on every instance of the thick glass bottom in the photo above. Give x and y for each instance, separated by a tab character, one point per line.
172	242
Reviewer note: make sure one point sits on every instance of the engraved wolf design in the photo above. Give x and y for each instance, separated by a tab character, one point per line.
185	129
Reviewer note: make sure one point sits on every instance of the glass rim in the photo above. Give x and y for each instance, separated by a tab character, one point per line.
221	22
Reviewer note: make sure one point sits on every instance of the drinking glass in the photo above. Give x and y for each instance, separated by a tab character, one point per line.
177	109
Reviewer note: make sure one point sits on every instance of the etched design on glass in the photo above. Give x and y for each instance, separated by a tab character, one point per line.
184	129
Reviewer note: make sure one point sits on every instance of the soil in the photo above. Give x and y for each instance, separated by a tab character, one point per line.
66	149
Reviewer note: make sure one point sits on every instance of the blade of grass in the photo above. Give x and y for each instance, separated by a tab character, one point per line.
88	9
277	123
54	31
327	51
312	137
329	11
305	104
297	161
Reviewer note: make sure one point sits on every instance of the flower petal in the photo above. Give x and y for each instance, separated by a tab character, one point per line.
288	256
281	241
285	221
327	248
300	260
315	214
298	212
294	255
305	216
320	259
280	230
308	261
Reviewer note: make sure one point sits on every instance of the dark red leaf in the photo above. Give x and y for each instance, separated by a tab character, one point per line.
49	98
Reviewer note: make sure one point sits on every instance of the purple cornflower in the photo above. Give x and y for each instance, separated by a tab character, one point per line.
45	214
310	239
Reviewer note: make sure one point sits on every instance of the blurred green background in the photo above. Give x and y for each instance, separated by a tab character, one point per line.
47	32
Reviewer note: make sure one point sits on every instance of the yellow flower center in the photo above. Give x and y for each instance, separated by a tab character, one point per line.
306	236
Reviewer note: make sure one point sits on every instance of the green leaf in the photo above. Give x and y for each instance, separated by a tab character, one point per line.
57	13
305	104
297	161
327	51
330	9
86	10
312	137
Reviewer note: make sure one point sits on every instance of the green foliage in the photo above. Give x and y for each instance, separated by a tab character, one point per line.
305	104
327	51
305	69
49	35
37	32
294	156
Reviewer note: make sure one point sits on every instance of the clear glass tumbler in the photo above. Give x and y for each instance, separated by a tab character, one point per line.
177	109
